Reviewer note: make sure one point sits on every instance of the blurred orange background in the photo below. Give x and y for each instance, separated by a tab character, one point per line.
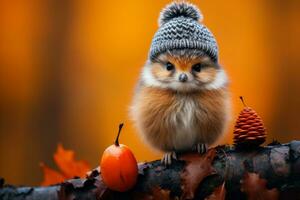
68	70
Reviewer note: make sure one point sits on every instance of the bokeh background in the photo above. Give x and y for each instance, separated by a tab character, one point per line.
68	70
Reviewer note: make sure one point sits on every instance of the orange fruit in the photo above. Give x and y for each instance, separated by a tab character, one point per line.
119	169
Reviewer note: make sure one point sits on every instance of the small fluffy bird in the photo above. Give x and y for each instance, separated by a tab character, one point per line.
181	102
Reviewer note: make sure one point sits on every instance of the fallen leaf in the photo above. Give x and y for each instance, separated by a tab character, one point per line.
69	167
196	169
51	176
218	194
65	160
255	188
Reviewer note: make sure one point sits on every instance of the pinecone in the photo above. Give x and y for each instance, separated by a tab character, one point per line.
249	130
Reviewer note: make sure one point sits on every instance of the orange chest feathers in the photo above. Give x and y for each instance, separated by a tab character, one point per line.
169	120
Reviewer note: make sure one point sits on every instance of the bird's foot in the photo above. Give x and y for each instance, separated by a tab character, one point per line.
200	148
168	157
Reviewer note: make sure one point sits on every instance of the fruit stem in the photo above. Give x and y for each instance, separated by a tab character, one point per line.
242	99
117	139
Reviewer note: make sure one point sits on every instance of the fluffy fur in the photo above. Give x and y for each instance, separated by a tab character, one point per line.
174	116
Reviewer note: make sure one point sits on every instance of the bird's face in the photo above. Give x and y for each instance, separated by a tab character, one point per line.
183	71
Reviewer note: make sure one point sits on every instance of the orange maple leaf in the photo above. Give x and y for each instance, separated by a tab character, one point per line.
51	176
68	166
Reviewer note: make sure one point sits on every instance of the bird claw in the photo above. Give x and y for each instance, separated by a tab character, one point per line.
167	158
200	148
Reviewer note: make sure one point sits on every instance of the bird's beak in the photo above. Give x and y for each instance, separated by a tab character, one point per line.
183	77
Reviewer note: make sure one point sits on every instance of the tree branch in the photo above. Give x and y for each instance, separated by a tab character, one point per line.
279	164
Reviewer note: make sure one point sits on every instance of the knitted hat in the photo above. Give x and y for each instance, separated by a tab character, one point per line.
179	28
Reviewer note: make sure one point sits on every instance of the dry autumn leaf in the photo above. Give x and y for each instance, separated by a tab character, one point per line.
196	169
69	167
255	188
218	194
51	176
65	160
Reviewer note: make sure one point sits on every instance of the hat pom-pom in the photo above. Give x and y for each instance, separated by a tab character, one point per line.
178	9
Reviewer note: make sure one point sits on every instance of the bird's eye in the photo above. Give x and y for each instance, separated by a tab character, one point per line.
197	67
169	66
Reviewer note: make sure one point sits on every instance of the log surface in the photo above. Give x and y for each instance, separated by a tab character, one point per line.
279	164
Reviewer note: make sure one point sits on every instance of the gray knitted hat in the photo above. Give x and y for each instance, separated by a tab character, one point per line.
179	28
